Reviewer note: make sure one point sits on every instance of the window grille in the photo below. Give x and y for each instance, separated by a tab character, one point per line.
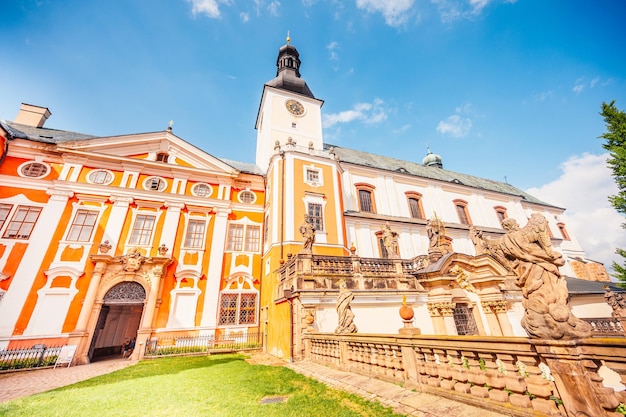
464	320
315	216
34	169
365	201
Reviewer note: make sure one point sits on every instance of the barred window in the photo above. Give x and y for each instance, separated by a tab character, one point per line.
237	308
366	197
82	226
22	222
195	233
464	320
142	229
315	216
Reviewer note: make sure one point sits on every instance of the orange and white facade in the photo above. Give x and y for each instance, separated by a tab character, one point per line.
103	239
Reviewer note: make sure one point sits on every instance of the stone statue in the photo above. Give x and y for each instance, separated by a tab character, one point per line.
528	253
617	302
344	312
308	235
390	241
476	237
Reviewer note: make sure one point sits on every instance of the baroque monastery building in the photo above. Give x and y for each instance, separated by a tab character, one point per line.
144	235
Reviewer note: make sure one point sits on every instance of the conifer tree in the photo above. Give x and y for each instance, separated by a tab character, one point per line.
615	138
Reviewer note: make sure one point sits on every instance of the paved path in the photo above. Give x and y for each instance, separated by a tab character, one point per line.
403	401
24	383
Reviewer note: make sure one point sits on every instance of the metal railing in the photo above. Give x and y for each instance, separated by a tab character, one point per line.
35	357
195	345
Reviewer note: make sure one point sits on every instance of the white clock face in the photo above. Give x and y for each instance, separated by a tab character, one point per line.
295	107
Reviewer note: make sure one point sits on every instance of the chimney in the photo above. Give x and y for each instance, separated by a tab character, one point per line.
31	115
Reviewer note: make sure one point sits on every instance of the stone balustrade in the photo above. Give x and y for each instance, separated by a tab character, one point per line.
508	374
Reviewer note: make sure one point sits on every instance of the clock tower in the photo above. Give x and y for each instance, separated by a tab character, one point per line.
289	112
302	182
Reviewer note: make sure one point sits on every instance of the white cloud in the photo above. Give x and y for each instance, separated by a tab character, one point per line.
332	48
583	188
395	12
581	84
456	125
368	113
245	17
209	8
273	8
451	10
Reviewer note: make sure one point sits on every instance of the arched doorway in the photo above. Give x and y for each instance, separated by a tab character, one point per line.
118	321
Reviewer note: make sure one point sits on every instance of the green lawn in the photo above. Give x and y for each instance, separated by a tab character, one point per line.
220	385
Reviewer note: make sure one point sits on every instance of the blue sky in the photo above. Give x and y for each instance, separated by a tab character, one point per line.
507	90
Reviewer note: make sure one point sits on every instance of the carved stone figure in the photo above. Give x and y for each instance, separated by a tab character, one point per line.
390	240
617	302
308	235
104	247
162	249
477	239
528	253
344	312
132	260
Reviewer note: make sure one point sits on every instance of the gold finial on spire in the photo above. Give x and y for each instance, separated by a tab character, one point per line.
288	37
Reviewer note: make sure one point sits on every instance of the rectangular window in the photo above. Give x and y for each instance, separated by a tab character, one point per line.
82	226
142	230
22	223
462	212
5	209
235	237
247	309
237	308
228	309
312	175
195	233
315	216
365	201
253	238
414	206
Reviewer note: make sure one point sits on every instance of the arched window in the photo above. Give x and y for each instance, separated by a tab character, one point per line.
415	205
365	193
462	212
501	213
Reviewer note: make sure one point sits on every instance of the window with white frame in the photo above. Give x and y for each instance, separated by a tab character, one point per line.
22	222
316	215
100	176
313	176
155	184
142	229
247	196
237	308
194	238
82	225
34	169
236	241
202	190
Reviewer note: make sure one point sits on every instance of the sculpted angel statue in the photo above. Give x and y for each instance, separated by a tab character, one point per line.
528	253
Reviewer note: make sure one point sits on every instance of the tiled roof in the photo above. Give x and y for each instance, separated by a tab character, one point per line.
416	169
42	134
246	167
583	286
